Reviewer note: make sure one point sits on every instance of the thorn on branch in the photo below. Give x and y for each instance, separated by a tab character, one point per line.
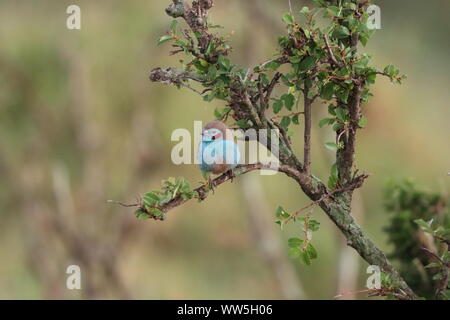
330	52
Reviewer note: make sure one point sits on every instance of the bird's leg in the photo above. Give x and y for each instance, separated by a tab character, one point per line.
231	175
208	184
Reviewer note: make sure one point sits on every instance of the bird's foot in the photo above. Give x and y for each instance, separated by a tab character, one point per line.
211	184
231	175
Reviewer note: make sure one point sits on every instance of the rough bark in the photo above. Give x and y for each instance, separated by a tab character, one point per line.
244	102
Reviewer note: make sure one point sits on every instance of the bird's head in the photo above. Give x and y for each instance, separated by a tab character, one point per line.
215	130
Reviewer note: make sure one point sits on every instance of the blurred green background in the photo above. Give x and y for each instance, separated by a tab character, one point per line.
80	123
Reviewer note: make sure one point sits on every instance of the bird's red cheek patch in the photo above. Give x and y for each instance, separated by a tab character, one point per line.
217	136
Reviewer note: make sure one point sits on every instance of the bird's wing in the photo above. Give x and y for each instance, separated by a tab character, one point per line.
227	152
219	152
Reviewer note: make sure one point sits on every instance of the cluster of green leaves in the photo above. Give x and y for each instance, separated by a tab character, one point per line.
414	211
442	235
306	46
154	200
212	63
326	64
286	101
388	286
306	50
438	232
299	248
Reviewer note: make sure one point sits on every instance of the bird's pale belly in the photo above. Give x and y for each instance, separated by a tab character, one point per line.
214	158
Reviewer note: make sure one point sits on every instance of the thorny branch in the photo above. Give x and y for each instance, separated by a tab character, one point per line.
443	282
243	101
203	191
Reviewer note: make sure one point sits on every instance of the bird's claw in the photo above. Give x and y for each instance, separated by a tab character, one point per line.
211	184
231	175
208	184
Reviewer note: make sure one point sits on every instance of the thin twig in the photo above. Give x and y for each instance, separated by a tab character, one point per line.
307	134
434	255
287	115
330	52
357	182
290	7
123	204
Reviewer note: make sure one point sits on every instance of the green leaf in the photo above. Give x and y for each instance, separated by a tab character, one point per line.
243	124
141	215
224	63
332	181
288	18
304	11
277	106
221	113
340	32
362	122
157	213
165	198
371	77
326	121
341	114
289	100
218	114
364	38
305	258
343	94
210	96
337	126
331	146
295	119
264	79
273	65
433	265
391	70
313	225
331	108
295	59
312	252
285	122
295	242
281	213
437	276
334	11
211	47
333	169
212	73
327	91
164	39
215	26
294	253
307	63
173	25
150	199
422	223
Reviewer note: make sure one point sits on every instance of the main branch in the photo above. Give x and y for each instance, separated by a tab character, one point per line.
248	98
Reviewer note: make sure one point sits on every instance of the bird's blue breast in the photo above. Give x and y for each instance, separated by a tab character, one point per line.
218	152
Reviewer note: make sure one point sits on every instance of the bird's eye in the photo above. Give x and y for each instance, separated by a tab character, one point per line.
214	137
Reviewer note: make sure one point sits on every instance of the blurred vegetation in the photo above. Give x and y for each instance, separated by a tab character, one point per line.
80	123
409	206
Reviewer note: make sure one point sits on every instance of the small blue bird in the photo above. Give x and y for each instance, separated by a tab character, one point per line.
217	152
